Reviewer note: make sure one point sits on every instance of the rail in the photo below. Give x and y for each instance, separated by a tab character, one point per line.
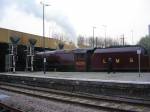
6	108
103	103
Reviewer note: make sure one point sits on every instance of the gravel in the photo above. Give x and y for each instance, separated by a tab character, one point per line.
32	104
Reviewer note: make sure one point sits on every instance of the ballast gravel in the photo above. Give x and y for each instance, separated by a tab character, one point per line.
32	104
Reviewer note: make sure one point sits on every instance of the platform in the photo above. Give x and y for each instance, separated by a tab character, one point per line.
95	83
127	77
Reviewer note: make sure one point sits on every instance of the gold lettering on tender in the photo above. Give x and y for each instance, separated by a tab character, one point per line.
104	61
117	60
131	60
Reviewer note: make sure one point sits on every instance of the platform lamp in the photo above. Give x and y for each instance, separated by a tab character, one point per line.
13	52
44	57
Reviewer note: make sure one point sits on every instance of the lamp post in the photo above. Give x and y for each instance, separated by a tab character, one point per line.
139	60
105	28
93	35
44	57
132	37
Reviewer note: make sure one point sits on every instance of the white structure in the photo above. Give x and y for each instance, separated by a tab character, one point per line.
12	54
30	54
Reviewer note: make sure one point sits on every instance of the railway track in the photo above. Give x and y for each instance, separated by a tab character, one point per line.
102	103
6	108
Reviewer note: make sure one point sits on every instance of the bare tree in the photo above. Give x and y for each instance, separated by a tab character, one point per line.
80	40
100	42
90	41
145	42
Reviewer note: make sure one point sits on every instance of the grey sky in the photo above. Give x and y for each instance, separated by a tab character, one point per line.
74	17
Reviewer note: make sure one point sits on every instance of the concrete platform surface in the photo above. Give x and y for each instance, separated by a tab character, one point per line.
143	78
96	83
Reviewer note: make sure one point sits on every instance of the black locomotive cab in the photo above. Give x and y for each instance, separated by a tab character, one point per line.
83	59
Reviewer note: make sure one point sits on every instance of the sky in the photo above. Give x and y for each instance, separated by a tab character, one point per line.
71	18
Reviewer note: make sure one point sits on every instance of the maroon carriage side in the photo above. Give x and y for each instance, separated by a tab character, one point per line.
123	59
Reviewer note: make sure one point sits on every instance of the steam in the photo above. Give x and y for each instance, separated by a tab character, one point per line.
31	7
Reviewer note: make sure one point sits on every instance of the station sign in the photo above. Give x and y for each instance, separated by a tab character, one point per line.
138	51
44	60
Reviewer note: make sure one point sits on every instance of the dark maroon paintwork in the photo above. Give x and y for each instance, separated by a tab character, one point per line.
83	59
124	58
59	59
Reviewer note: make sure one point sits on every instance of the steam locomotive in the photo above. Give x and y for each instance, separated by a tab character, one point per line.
127	58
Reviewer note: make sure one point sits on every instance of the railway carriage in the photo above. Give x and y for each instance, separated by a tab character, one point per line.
123	59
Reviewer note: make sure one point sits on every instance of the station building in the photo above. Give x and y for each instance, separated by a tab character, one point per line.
5	34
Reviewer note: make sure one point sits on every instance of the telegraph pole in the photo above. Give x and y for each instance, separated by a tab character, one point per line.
96	42
93	36
105	30
132	36
122	40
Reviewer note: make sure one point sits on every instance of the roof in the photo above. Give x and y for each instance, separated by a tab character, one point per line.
54	52
119	50
84	50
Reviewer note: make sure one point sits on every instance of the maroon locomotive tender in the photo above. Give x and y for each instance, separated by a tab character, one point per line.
123	59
